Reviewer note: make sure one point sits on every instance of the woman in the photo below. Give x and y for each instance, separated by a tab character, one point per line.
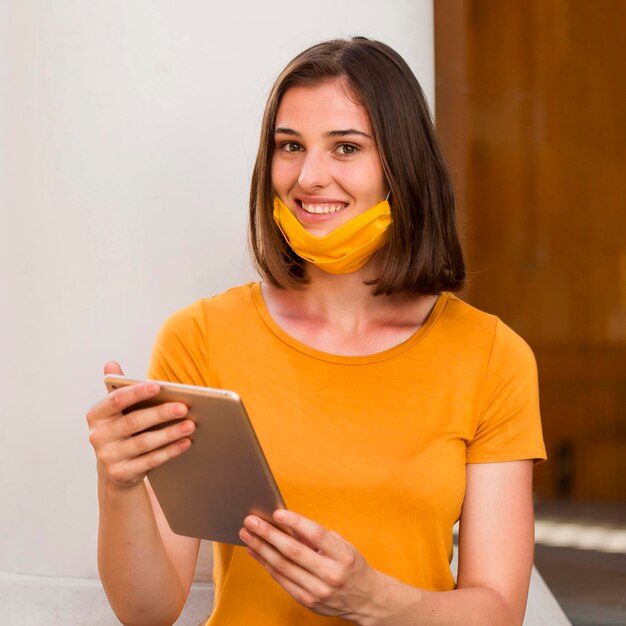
387	408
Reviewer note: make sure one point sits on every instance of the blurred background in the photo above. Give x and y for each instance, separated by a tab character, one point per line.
531	108
128	131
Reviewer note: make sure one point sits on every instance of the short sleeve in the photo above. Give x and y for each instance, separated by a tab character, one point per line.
180	352
509	423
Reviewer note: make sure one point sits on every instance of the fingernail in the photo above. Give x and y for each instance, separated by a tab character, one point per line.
280	515
178	410
253	522
186	427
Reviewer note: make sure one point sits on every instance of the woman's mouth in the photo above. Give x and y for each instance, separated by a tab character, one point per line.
322	208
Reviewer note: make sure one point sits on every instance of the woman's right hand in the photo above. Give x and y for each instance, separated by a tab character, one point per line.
123	451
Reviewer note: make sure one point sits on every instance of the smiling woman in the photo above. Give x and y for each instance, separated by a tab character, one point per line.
375	143
327	171
326	166
387	408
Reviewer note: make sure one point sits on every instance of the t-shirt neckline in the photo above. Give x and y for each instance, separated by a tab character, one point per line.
417	336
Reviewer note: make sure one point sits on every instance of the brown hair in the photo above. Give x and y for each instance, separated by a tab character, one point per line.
423	254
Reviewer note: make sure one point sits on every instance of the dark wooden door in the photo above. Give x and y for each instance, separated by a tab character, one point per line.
531	108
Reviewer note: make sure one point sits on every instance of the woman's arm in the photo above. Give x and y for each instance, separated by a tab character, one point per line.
329	576
496	545
145	573
145	569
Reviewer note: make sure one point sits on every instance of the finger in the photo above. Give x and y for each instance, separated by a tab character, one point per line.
317	537
125	397
133	470
146	442
299	593
113	367
98	410
285	568
277	547
112	405
130	424
116	401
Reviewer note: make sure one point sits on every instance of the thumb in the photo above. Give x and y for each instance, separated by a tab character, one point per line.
113	367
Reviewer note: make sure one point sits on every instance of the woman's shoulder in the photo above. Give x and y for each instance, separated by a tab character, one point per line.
231	301
187	337
461	312
193	319
472	325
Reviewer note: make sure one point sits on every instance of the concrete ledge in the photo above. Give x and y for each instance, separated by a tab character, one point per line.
44	601
39	601
542	608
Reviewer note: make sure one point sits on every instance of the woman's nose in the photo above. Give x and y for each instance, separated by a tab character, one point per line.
314	174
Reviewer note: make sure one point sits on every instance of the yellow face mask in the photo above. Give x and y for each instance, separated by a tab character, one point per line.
344	250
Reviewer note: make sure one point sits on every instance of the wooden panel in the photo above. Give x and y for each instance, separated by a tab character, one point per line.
531	101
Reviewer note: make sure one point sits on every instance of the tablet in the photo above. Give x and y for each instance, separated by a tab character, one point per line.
207	491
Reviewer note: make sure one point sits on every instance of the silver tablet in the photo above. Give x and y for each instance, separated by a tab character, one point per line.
207	491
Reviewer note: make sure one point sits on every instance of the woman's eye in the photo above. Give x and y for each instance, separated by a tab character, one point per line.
345	149
291	146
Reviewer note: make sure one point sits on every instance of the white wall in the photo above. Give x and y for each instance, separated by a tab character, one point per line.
127	136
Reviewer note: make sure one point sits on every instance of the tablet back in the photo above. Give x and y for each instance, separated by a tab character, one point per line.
208	490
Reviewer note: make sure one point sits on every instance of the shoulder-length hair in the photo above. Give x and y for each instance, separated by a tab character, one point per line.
422	254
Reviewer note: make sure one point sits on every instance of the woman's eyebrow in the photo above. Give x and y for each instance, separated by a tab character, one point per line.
343	133
330	133
287	131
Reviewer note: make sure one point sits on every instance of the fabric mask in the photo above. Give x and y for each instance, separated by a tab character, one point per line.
344	250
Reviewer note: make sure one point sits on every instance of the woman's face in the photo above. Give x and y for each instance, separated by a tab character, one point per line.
326	167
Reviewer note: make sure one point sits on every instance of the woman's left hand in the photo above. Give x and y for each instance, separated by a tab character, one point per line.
317	567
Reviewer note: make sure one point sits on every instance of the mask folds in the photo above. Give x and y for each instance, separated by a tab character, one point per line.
344	250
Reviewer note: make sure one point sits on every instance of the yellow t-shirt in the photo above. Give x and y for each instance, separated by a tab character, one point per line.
373	447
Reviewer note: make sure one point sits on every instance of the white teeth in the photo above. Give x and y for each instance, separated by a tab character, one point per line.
322	208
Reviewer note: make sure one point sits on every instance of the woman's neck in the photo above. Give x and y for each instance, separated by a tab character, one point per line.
339	313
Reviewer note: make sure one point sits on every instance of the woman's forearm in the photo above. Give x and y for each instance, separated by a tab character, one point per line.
141	583
399	604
